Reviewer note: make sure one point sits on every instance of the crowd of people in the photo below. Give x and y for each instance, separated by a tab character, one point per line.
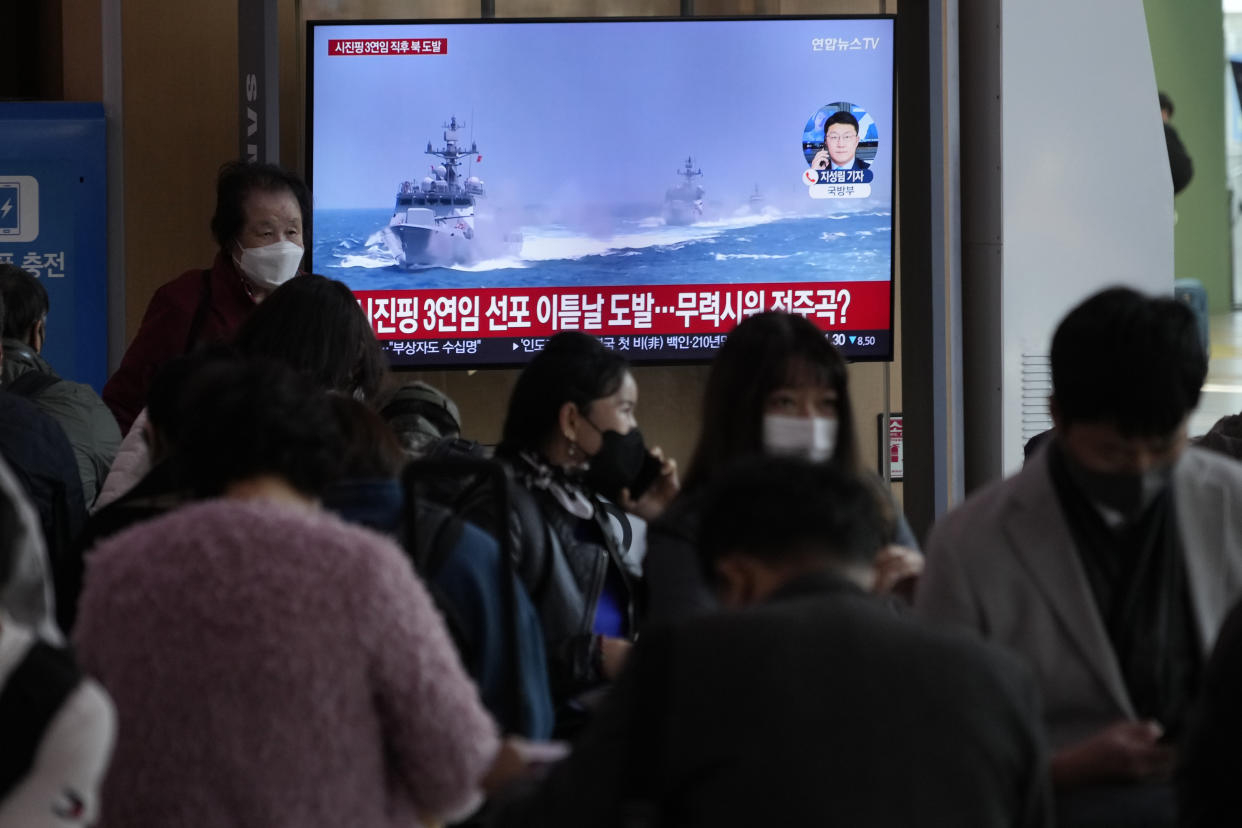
262	582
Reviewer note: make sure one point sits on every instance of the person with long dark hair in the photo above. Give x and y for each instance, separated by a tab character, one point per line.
776	387
312	324
572	442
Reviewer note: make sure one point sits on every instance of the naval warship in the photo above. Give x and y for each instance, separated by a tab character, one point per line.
683	204
756	201
433	221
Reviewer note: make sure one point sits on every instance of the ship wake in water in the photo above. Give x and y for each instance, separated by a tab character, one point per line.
640	249
553	243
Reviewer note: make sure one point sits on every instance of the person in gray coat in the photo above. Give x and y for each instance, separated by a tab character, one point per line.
87	422
1109	561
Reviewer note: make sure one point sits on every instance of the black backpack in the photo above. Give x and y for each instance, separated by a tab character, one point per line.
434	489
431	530
453	472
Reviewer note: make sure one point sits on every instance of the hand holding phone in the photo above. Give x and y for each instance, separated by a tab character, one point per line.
651	468
653	488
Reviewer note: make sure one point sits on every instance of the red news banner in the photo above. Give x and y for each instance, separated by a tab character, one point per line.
388	46
653	309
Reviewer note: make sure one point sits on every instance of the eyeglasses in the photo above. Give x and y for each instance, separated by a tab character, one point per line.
840	137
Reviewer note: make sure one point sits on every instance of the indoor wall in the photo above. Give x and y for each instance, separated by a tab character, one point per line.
180	123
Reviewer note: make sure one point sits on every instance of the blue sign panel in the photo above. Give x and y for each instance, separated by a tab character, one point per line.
53	223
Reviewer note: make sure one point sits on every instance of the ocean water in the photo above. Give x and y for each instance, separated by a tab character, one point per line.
636	248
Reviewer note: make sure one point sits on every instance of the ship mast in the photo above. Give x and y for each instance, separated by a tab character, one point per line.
451	152
689	172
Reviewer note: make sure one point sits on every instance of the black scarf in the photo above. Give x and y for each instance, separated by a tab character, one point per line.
1138	577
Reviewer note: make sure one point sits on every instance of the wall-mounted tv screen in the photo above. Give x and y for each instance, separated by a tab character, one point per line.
481	185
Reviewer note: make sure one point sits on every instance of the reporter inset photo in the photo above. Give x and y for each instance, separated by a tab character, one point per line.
840	136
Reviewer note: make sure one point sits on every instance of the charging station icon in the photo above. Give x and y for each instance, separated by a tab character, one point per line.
10	208
19	208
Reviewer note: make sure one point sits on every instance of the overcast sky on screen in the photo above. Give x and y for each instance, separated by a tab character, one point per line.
602	112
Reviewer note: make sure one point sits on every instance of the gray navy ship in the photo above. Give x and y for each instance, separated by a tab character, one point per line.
683	204
433	221
757	201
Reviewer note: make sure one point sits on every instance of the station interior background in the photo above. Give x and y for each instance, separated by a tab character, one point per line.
167	74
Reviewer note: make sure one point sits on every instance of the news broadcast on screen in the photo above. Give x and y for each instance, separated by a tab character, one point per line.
481	185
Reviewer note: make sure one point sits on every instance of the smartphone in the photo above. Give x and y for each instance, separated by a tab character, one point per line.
647	475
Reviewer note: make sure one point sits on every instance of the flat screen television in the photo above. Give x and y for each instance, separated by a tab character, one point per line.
483	184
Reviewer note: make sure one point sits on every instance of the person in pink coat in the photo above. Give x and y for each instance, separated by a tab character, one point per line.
272	665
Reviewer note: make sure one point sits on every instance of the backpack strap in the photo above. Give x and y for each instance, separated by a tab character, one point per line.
431	533
605	509
31	384
200	313
35	691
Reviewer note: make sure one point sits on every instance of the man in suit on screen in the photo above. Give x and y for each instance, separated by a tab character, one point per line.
841	140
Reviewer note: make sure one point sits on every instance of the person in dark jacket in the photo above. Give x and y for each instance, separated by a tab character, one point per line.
39	454
261	223
572	443
40	457
1180	165
1208	794
88	424
809	702
26	594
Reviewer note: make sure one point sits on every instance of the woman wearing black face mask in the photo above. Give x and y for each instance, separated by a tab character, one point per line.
573	445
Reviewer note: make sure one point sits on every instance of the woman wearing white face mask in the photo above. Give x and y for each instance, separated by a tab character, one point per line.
777	387
261	223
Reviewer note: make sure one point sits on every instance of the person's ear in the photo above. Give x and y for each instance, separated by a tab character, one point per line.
567	421
39	335
1054	411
